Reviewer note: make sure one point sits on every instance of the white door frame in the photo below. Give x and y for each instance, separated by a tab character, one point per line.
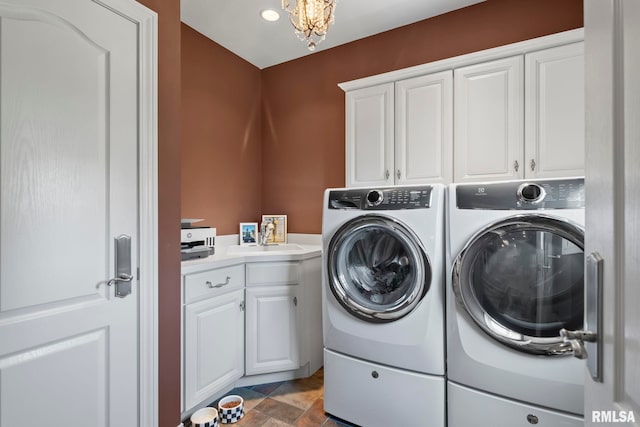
147	22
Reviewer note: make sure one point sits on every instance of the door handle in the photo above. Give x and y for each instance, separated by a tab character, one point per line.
587	344
577	341
123	278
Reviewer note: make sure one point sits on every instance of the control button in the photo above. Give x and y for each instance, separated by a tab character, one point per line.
374	197
531	193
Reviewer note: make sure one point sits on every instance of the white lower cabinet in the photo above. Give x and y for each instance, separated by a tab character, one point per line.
213	345
274	304
247	324
272	336
469	407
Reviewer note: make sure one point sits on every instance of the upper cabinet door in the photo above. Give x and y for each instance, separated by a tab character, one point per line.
369	136
424	129
488	134
554	112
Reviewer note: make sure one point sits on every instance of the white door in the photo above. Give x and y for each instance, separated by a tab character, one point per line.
612	37
369	136
68	187
488	116
424	129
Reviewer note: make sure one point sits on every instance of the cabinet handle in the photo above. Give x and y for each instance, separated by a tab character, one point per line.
533	165
516	166
241	305
219	285
386	175
295	301
398	173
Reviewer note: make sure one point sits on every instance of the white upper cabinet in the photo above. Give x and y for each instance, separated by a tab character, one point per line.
369	135
554	112
424	129
511	112
489	105
491	100
419	151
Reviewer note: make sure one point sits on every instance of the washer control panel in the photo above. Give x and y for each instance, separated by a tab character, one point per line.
396	198
523	195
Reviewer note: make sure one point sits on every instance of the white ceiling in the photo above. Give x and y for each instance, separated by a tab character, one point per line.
237	25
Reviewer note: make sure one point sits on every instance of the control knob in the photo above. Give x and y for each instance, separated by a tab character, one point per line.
374	197
531	193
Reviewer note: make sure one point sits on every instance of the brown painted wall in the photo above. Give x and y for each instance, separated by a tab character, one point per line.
221	141
168	209
303	108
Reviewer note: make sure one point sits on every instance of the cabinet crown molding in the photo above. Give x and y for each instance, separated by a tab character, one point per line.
519	48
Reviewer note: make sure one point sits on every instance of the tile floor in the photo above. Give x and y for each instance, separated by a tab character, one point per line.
288	403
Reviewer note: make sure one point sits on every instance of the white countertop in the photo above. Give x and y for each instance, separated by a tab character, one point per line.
229	255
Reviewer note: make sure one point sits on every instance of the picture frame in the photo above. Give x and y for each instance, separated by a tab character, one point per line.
249	233
279	234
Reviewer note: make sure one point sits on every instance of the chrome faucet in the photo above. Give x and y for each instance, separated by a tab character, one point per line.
266	232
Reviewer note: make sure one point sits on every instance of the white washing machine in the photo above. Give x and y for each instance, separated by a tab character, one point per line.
515	278
383	305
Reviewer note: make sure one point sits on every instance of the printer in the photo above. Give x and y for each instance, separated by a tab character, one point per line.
196	241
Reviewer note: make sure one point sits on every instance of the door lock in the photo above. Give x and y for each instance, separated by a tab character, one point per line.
123	278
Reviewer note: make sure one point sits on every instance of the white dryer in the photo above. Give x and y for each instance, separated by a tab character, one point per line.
383	305
515	278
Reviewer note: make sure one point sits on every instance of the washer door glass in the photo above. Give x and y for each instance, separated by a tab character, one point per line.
522	280
377	268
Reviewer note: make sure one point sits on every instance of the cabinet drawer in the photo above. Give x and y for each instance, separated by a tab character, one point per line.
273	273
213	282
468	407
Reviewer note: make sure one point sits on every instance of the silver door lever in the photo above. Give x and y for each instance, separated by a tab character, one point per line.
577	339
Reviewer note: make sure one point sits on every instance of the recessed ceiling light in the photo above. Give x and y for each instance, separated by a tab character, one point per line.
270	15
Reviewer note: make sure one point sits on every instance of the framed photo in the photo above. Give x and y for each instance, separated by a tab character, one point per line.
248	233
279	234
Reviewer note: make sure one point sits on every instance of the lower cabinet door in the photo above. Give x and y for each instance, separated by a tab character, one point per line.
272	341
214	346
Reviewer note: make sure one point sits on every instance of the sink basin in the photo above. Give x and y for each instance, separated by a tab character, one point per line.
280	248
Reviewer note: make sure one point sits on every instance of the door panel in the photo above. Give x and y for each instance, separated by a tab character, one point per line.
424	129
369	133
272	320
554	112
80	373
488	120
53	163
68	187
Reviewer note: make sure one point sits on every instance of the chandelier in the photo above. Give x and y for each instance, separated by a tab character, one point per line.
310	18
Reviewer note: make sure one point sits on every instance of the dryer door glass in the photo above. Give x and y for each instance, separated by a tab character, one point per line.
522	281
377	268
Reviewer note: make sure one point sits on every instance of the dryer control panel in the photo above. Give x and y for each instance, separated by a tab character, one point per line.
396	198
525	195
